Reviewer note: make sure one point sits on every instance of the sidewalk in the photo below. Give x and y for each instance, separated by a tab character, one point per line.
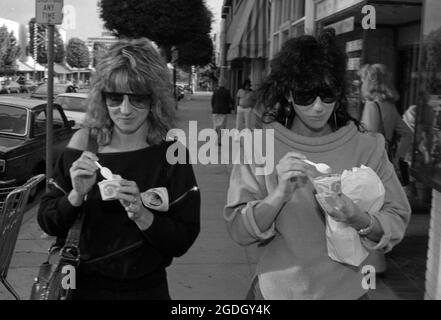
215	267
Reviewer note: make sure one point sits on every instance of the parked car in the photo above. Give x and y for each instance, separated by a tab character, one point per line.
28	86
9	86
41	91
74	106
23	138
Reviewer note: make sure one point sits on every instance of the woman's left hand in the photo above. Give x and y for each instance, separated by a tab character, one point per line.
130	197
340	208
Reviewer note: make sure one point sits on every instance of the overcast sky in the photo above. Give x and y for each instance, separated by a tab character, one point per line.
87	22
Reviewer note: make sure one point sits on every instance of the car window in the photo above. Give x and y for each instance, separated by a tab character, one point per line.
41	89
59	89
72	103
12	120
40	121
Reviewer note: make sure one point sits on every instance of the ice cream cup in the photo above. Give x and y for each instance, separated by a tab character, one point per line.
108	189
328	184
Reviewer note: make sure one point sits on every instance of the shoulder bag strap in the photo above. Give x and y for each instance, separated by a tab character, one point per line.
70	250
381	128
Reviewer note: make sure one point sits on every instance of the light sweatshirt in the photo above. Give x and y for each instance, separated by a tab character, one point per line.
294	264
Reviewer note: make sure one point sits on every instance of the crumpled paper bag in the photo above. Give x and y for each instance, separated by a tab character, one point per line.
156	199
364	187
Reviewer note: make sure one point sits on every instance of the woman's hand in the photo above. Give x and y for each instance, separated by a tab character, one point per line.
83	173
130	197
292	174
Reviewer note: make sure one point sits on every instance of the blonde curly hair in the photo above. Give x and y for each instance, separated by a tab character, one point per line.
377	83
132	65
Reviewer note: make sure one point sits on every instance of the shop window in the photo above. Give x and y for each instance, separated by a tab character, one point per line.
285	36
427	151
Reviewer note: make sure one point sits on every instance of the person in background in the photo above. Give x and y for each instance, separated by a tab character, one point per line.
130	111
305	104
380	113
245	101
221	105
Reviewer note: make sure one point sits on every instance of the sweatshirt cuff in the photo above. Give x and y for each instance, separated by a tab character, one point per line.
69	211
250	224
384	243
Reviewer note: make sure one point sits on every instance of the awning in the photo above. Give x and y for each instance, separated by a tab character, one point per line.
30	63
61	69
23	67
251	40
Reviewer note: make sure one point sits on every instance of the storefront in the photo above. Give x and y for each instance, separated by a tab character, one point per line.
244	42
426	165
394	42
407	39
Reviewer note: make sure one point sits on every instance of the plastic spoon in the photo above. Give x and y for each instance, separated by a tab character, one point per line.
321	167
105	172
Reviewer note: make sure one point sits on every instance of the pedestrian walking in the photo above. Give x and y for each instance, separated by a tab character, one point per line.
380	113
245	101
305	105
130	111
221	104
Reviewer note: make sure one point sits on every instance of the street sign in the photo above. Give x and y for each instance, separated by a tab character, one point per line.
49	11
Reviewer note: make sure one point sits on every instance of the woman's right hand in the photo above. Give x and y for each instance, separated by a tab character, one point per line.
292	174
83	173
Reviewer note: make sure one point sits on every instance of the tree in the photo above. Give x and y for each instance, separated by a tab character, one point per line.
198	51
9	52
77	53
41	43
167	23
98	50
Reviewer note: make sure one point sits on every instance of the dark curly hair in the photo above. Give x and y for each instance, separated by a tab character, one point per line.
303	63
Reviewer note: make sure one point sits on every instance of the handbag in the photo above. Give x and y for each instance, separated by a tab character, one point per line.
403	167
52	282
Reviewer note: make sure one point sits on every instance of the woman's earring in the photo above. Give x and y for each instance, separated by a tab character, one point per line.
288	113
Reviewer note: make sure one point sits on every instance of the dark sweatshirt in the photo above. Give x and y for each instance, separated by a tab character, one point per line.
106	226
221	101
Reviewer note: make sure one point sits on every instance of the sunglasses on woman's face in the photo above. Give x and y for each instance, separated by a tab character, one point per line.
115	99
307	97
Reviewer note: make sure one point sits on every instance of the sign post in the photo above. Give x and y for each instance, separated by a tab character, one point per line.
50	13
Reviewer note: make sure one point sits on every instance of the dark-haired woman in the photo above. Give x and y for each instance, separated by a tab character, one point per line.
304	103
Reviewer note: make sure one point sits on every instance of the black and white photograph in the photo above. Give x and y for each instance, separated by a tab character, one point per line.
220	155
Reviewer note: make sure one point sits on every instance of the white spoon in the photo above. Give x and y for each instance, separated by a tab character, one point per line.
105	172
321	167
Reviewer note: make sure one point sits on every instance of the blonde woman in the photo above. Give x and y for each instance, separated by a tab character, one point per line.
130	112
380	113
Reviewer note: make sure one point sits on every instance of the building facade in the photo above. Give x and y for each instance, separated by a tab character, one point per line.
244	41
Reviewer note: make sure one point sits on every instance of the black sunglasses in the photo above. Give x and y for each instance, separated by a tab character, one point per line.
115	99
307	97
